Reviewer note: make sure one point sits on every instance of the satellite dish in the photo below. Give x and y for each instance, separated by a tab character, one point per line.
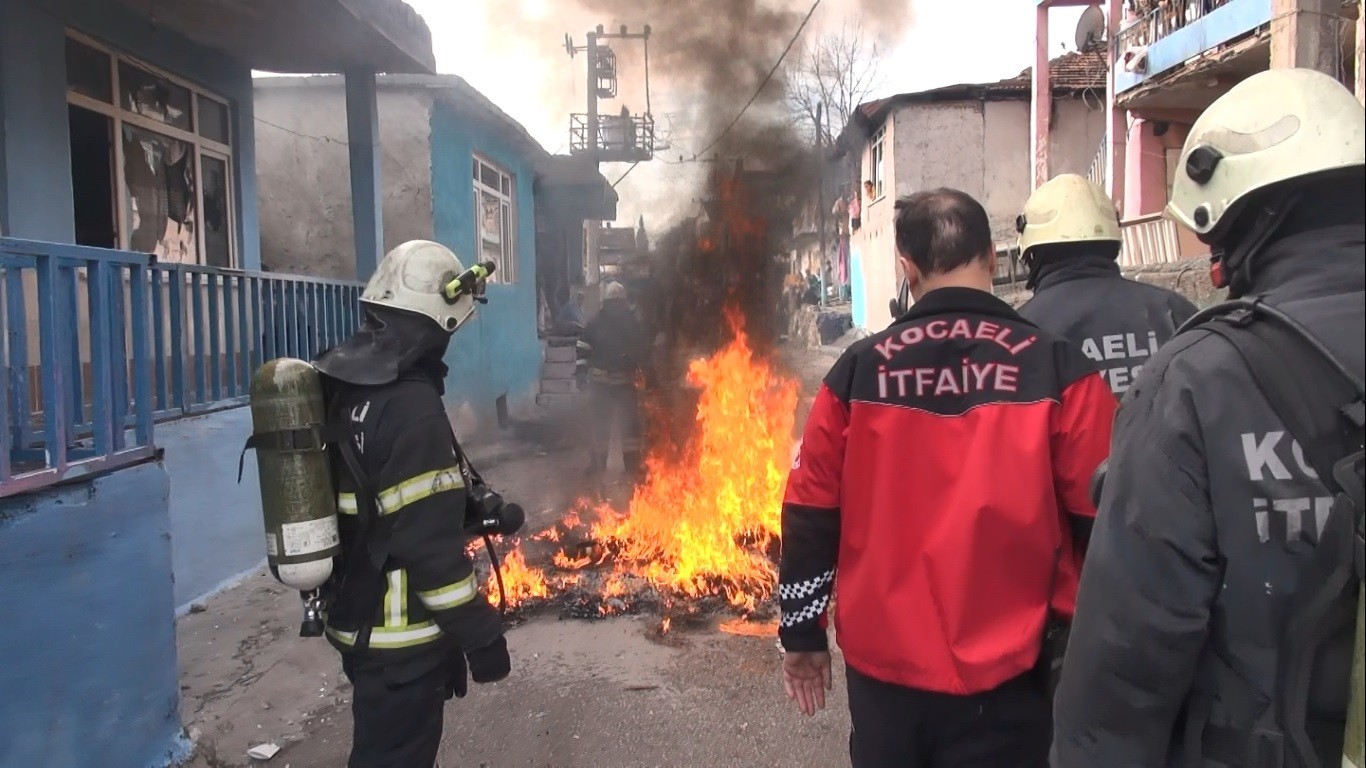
1091	29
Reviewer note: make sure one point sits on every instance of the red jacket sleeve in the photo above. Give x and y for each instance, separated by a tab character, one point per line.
1081	441
811	525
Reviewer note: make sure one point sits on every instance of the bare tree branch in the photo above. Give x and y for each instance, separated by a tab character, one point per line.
838	70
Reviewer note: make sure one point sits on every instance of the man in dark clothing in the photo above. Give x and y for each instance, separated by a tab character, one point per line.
1069	242
944	464
618	352
1210	509
405	610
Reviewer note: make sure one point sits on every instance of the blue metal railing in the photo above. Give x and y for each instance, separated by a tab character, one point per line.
100	344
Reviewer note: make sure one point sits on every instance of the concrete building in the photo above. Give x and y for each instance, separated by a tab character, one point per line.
973	137
134	311
1170	60
460	172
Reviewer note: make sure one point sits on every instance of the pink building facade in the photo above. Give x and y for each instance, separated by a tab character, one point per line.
1169	60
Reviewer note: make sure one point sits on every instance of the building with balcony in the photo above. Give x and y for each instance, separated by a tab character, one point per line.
134	310
1169	60
973	137
458	170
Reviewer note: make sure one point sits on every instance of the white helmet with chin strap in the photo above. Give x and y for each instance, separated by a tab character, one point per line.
1275	127
415	277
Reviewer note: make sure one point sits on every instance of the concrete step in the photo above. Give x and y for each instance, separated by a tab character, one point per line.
561	354
559	386
558	370
561	341
559	400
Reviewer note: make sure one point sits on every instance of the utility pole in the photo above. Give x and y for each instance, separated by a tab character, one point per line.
631	138
820	197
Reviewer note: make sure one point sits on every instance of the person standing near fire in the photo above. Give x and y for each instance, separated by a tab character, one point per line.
618	352
942	469
407	614
1070	242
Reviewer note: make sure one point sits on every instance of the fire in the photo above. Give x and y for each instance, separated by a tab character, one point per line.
702	524
521	583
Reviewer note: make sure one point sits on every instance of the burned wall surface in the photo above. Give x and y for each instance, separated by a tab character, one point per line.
304	173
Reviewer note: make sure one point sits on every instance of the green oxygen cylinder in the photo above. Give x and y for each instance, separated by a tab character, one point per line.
1354	743
298	500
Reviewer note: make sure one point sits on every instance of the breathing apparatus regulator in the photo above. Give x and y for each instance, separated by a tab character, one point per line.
299	500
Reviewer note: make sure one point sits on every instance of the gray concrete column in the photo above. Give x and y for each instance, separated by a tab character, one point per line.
1305	33
1361	47
362	138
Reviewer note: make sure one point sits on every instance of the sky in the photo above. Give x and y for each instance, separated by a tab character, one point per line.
513	51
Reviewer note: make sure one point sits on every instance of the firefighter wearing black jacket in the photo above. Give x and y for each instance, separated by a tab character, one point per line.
409	613
942	469
1069	242
1210	509
618	351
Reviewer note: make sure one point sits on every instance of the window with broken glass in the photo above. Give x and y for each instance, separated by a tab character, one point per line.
494	219
151	159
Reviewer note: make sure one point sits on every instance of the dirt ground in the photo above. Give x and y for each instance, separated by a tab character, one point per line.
610	692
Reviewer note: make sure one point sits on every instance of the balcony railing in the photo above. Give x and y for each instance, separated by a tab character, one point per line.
1168	33
620	138
1159	18
1149	240
100	344
1097	172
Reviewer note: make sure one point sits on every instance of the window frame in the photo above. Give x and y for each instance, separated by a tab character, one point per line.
507	265
877	157
200	144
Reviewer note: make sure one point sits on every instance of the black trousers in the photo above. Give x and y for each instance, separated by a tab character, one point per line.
396	714
897	727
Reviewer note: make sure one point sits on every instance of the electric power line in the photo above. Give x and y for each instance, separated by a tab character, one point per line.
766	80
624	175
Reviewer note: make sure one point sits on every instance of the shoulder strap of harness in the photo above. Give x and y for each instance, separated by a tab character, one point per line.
1322	405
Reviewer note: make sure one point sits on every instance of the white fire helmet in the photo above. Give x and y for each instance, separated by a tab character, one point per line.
413	276
1275	126
612	291
1067	209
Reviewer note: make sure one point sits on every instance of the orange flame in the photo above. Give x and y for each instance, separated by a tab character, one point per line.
701	525
521	583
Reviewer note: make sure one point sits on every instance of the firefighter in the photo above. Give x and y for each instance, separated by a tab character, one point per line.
618	351
1211	509
1069	243
407	614
943	466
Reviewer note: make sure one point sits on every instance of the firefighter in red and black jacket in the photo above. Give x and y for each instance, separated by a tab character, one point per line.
940	486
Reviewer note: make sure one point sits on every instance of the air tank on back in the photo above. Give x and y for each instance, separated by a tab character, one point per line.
298	500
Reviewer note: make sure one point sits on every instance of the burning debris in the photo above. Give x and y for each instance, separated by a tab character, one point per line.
701	529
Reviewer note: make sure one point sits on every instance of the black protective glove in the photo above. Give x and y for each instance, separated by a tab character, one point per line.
490	663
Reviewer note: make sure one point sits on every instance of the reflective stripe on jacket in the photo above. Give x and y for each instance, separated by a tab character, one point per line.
430	597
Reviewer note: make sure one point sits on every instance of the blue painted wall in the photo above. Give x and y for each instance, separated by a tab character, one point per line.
216	530
858	292
498	352
1215	28
88	634
35	175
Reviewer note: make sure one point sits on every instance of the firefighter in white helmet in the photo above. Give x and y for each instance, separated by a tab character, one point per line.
1214	625
1070	242
405	610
